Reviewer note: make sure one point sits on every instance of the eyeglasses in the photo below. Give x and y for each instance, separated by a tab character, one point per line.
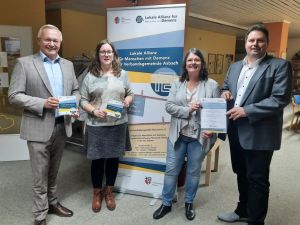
103	53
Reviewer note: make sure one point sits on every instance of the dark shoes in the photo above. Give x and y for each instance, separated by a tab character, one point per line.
161	211
39	222
56	209
189	211
59	210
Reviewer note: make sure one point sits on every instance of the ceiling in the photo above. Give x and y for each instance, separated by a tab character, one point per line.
223	16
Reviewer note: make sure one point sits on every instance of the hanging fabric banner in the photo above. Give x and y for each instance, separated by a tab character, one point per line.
150	42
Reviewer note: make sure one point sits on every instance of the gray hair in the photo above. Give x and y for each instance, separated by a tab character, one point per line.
48	26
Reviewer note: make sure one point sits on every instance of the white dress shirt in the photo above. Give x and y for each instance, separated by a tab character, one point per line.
245	76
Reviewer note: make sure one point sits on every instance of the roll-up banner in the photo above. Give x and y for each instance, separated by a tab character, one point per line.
150	42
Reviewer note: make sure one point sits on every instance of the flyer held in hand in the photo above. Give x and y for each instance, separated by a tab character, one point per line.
114	108
67	105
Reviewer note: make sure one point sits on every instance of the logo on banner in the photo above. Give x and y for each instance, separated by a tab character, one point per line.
161	84
161	88
117	20
139	19
148	180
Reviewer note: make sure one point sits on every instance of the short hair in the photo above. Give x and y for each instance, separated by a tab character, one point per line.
203	74
95	67
258	27
48	26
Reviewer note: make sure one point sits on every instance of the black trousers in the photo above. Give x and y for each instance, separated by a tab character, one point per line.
109	167
252	168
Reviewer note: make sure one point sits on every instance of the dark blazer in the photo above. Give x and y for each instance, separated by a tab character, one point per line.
29	89
268	92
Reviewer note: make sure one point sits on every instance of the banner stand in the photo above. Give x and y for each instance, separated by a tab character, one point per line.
150	43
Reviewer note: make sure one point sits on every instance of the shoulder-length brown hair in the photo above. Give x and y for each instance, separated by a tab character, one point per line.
95	66
203	74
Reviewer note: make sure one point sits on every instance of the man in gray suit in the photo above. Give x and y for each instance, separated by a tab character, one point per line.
257	90
36	83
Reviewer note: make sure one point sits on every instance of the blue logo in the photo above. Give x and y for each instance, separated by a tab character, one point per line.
161	88
139	19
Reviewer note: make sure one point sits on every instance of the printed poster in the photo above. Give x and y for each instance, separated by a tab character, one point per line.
150	42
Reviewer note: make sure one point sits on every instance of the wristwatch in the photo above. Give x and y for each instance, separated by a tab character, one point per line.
93	112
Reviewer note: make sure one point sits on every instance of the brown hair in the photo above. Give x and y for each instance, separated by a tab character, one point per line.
258	27
203	74
95	66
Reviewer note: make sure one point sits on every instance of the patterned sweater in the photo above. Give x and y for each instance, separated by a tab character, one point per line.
98	91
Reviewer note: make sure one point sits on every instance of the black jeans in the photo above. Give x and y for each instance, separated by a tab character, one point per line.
252	168
109	167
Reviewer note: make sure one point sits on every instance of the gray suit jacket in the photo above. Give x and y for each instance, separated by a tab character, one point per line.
268	92
177	107
29	89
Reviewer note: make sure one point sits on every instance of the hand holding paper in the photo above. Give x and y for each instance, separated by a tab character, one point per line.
67	105
206	134
51	103
114	108
101	113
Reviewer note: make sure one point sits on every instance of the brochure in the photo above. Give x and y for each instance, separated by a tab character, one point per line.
114	108
67	105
